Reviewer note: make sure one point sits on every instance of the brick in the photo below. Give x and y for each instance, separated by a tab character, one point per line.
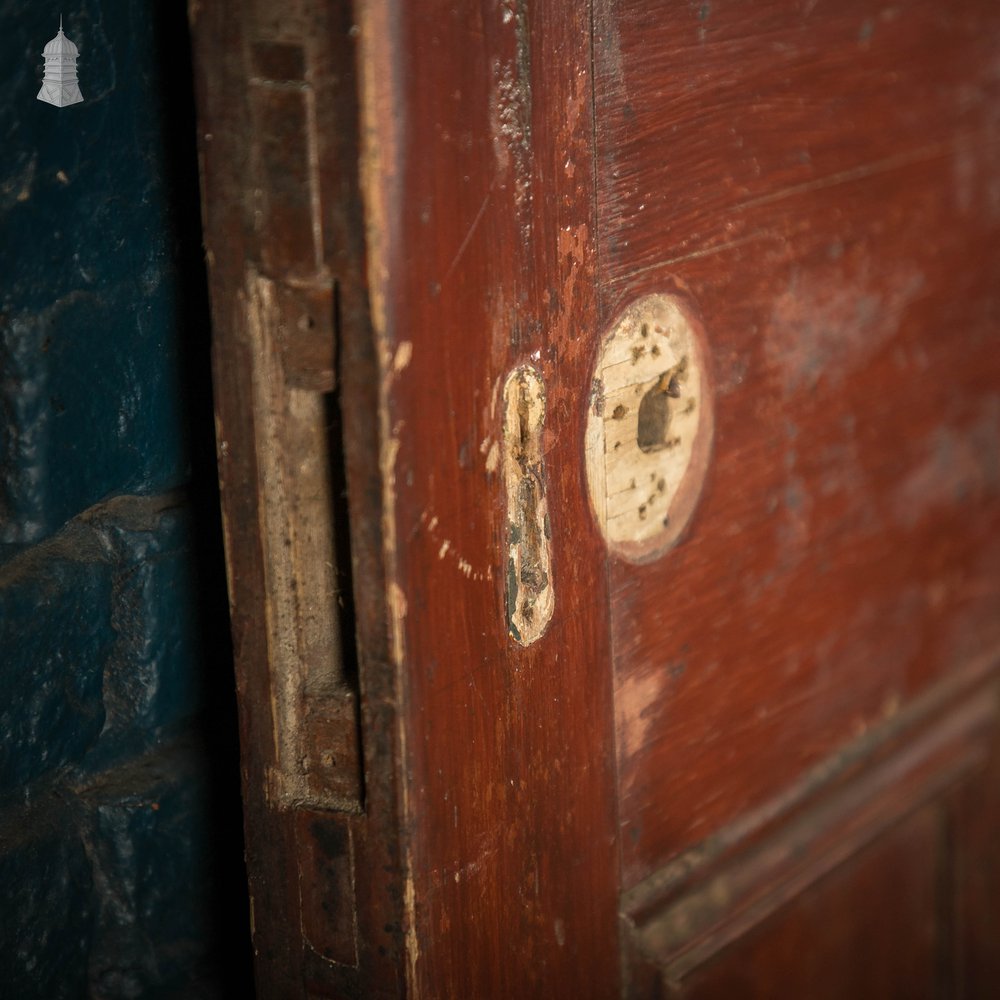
107	884
55	637
106	858
101	640
154	675
93	409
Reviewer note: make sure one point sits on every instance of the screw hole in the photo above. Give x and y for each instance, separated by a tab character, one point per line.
654	410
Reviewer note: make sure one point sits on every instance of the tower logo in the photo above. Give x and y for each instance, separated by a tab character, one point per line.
59	85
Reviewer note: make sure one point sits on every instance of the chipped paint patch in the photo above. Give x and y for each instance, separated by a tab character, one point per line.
529	594
397	619
490	447
572	248
493	457
404	352
636	703
510	117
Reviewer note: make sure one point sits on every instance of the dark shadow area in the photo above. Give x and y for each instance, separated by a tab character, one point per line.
229	973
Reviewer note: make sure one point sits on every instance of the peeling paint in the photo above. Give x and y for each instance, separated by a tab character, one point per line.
823	326
402	357
530	596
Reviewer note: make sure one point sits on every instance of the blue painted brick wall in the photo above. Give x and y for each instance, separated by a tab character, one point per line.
55	637
89	351
101	638
105	886
119	814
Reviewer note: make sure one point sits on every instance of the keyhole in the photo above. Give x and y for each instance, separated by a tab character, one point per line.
654	410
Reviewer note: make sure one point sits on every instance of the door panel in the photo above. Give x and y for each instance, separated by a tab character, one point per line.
690	913
817	179
893	889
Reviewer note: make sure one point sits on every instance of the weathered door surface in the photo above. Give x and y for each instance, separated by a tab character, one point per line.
609	428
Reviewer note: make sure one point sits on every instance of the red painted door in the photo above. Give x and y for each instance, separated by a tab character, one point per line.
633	376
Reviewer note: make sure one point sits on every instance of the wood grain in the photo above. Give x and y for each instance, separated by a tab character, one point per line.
479	189
822	179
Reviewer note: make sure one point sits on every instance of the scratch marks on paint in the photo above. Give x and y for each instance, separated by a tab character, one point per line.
468	235
923	154
447	550
471	867
530	596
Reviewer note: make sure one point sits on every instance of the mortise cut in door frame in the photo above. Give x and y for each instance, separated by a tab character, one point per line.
314	702
296	377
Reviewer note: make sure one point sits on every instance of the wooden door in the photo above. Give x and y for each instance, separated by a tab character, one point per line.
803	685
632	374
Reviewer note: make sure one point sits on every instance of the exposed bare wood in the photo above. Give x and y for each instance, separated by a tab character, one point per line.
530	588
649	429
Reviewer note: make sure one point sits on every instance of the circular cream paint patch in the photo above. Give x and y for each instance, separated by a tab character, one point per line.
649	426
